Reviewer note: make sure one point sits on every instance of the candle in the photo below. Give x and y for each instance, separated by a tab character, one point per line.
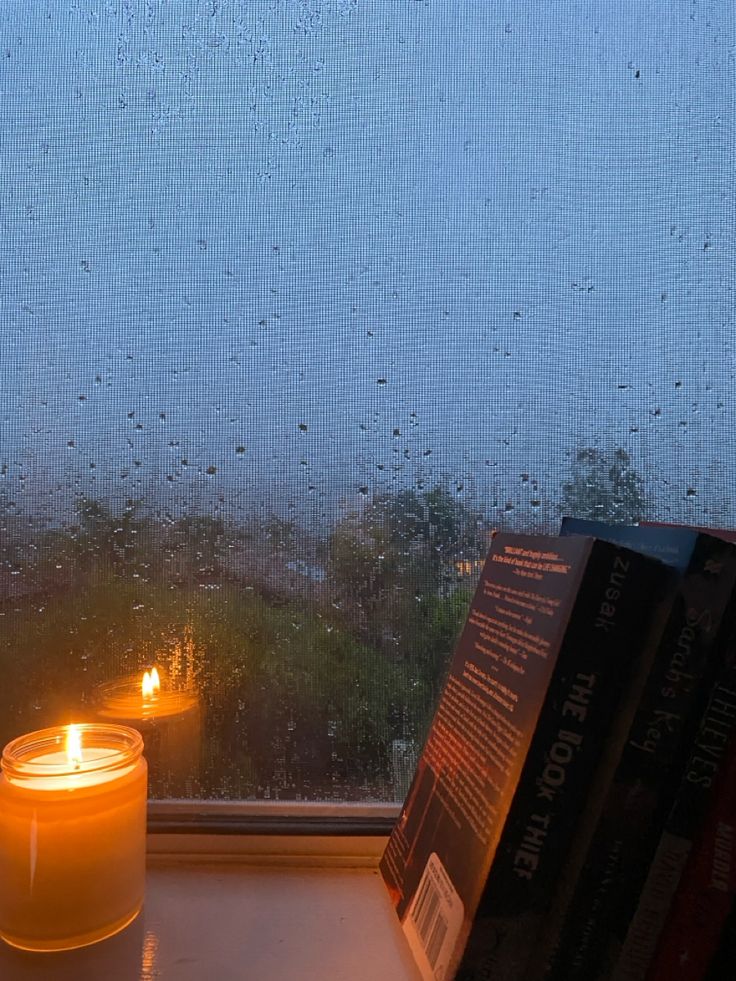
72	835
169	721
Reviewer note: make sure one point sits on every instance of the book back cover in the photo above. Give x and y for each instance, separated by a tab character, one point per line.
439	854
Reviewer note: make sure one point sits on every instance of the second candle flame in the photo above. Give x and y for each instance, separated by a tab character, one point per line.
151	683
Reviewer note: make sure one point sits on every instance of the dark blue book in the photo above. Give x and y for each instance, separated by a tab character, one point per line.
671	544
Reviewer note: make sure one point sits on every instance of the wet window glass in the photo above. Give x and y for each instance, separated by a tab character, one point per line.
298	300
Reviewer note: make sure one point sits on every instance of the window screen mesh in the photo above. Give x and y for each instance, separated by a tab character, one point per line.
298	300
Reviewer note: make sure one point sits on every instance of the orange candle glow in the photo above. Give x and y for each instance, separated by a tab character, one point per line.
72	835
169	721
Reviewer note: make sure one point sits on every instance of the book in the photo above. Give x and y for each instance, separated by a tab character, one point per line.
705	894
583	937
553	638
727	534
725	957
716	729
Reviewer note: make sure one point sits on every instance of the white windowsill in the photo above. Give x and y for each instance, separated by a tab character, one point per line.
224	908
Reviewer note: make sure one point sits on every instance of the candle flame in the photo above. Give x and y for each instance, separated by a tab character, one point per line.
151	683
74	745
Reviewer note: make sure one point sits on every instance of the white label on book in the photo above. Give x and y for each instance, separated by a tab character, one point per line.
434	921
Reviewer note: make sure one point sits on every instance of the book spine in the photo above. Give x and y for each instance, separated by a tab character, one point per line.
714	736
610	640
584	937
721	966
706	891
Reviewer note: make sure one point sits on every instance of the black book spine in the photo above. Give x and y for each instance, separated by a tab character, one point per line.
584	940
706	891
715	732
611	637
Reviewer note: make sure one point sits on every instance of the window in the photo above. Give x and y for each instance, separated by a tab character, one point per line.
298	300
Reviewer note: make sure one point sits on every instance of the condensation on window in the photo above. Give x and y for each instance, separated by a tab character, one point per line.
299	299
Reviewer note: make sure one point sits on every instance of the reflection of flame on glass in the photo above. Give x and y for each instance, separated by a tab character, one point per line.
148	957
151	684
185	660
74	745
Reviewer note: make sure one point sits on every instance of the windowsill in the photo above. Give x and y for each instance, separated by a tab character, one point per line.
299	819
273	910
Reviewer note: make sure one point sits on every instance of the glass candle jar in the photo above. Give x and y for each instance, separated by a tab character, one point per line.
72	835
169	720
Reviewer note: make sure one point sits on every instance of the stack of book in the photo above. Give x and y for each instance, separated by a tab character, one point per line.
573	812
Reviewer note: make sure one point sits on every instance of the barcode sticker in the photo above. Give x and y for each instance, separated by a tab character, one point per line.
433	921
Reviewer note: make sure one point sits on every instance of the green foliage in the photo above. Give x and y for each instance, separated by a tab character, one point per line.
290	696
605	486
197	542
392	563
304	692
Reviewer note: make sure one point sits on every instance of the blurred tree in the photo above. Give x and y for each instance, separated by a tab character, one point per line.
604	486
281	533
104	538
11	540
387	564
198	540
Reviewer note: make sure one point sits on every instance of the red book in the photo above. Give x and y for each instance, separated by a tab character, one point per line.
706	891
